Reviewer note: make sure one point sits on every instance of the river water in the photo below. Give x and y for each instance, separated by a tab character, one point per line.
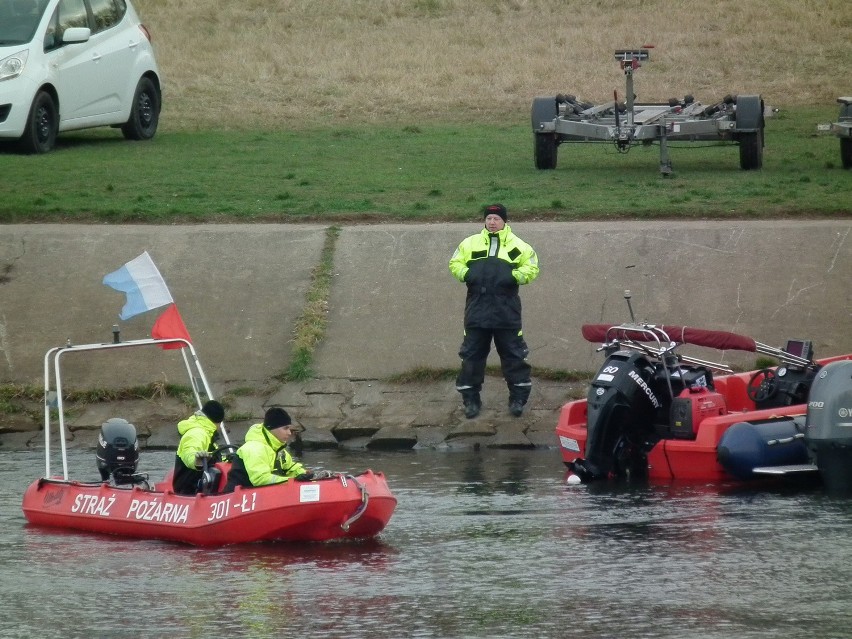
490	544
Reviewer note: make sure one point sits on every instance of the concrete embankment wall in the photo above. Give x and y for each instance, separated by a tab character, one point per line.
394	305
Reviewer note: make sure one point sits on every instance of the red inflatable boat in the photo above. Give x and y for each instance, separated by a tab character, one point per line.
336	506
655	413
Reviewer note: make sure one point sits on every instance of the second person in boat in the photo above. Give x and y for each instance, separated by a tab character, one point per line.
263	459
198	439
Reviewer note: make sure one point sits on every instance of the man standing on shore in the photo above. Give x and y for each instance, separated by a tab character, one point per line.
494	263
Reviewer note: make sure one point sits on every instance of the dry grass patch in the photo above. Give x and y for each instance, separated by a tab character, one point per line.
301	63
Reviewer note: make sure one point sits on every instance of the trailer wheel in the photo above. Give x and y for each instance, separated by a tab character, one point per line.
749	128
751	150
846	152
545	150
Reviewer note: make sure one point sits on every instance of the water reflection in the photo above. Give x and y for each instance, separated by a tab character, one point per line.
487	544
484	475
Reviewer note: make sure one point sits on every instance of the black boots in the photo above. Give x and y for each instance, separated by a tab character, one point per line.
471	407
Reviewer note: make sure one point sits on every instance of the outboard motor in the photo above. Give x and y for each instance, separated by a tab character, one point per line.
828	432
621	407
118	451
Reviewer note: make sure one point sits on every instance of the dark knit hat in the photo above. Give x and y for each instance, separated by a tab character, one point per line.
276	417
495	209
214	411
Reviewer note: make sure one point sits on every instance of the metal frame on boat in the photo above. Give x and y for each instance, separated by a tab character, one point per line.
54	398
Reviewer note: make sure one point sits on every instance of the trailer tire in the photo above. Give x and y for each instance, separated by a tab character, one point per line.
545	150
751	150
749	130
846	152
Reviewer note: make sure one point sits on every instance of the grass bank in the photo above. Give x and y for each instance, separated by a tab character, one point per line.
416	173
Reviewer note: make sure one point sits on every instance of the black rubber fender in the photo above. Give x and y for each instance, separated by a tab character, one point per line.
544	109
749	114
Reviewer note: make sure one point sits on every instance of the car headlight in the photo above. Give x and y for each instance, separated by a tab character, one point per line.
12	66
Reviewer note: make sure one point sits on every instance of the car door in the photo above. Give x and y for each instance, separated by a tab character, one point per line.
71	65
89	76
114	44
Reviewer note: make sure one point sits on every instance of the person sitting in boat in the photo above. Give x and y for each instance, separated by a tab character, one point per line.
263	459
197	436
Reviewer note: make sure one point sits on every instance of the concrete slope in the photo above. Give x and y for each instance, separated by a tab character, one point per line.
394	305
239	288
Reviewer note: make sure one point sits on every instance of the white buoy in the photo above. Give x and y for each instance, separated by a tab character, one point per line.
572	480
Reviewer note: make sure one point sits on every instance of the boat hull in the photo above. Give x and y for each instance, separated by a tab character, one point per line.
341	507
694	457
692	460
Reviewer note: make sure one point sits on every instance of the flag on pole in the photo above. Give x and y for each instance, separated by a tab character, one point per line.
169	325
141	281
146	290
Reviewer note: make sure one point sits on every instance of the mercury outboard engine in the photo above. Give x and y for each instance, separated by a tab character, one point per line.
828	432
622	403
118	451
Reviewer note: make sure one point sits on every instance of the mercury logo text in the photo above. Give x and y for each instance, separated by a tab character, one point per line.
641	383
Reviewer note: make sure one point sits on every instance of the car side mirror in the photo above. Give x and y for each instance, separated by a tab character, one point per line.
76	34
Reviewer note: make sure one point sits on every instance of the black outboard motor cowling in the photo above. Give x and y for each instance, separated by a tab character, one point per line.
621	406
118	451
828	431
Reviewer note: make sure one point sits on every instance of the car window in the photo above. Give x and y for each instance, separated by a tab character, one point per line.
19	19
69	13
107	13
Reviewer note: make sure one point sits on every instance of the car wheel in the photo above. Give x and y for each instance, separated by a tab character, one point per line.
42	125
144	113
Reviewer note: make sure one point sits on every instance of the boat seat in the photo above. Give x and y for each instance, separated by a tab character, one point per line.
734	388
218	482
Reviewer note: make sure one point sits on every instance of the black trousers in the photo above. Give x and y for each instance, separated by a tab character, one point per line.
513	352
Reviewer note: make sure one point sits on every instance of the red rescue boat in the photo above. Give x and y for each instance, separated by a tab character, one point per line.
655	413
333	506
338	507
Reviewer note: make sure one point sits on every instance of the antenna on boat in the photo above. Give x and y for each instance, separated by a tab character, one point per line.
629	307
116	334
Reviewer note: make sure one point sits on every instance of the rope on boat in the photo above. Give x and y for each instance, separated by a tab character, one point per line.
365	499
785	440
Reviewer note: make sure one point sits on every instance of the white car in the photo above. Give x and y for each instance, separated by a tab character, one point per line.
75	64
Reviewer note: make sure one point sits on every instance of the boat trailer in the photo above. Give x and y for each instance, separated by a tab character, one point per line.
563	118
843	130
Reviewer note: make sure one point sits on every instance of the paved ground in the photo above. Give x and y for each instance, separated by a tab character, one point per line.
394	307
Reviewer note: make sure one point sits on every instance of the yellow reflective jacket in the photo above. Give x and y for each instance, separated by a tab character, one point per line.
196	434
266	459
493	281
